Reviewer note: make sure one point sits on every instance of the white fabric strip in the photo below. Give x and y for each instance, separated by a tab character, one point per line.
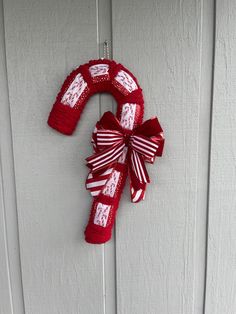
111	185
99	69
74	91
101	215
128	116
126	81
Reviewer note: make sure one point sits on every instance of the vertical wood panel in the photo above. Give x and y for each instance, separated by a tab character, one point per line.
158	241
107	102
221	261
5	284
11	296
45	40
206	81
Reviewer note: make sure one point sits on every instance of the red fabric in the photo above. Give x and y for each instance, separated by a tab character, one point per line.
64	119
67	124
109	139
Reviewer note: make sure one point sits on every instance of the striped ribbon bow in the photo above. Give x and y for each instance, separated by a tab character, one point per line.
114	144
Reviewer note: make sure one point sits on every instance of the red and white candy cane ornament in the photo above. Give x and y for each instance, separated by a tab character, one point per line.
122	143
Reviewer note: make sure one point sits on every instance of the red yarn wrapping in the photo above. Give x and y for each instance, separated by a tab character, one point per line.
64	119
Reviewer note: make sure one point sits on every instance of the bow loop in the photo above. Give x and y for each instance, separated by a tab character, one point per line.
111	141
144	146
107	138
105	158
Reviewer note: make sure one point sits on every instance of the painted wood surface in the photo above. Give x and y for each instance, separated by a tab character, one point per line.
159	269
45	40
174	253
5	282
11	296
221	257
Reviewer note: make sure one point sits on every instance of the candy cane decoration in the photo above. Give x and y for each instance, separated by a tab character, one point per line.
122	144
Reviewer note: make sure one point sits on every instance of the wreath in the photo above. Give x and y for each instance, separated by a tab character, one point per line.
122	143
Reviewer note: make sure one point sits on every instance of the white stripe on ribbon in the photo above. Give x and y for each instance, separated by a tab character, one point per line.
113	154
137	196
96	184
146	147
138	167
95	193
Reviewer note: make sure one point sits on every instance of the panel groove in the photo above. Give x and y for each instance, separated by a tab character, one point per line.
45	40
221	257
106	102
162	240
12	245
3	207
209	152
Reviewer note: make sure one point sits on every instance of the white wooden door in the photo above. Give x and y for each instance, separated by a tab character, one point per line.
175	252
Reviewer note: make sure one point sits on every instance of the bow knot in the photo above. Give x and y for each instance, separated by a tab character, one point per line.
126	139
113	145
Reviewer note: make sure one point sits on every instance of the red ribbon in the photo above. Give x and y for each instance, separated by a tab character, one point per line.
112	143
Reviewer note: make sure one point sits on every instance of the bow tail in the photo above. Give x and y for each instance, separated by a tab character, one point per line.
137	195
139	168
138	182
96	182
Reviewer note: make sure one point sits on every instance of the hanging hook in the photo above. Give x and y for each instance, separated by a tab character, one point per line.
106	52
